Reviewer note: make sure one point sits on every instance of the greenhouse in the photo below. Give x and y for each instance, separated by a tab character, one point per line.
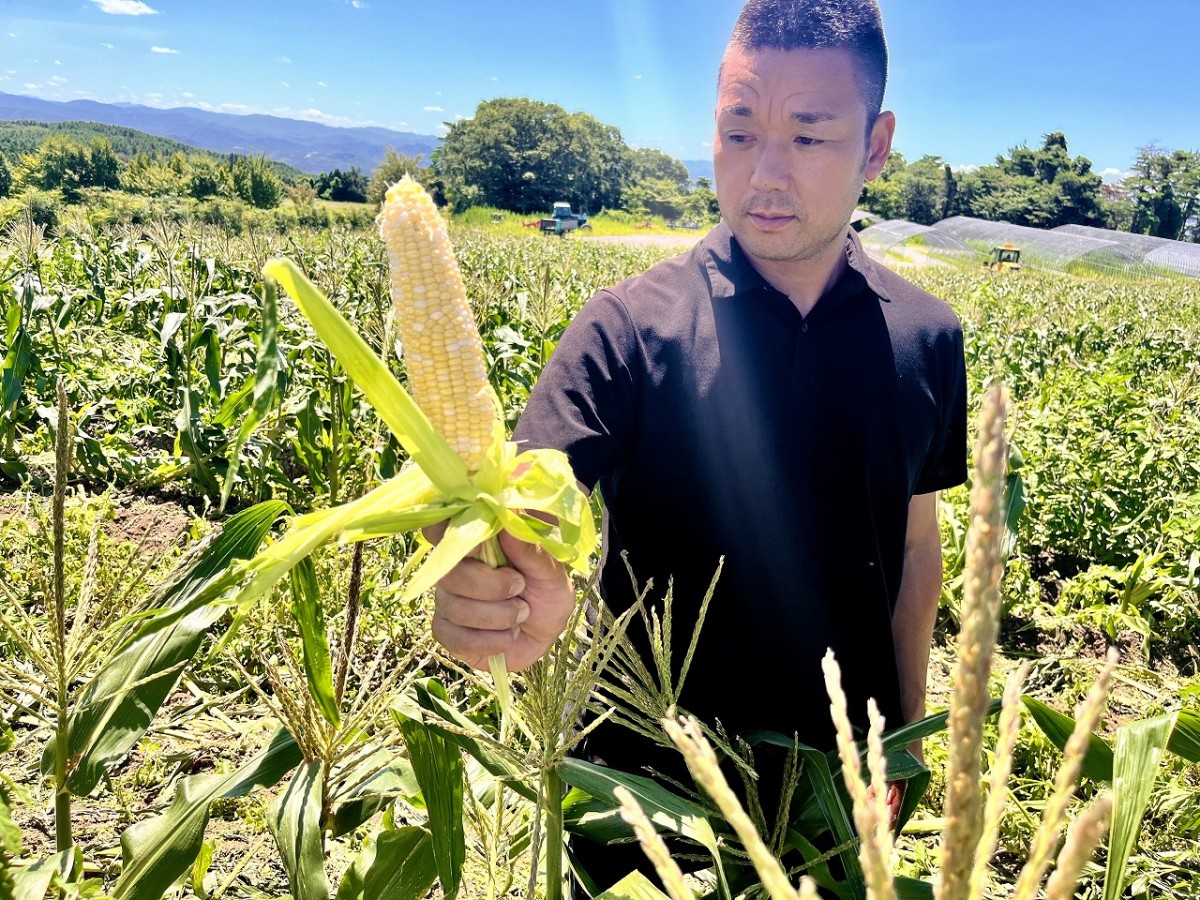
1178	256
1057	249
904	241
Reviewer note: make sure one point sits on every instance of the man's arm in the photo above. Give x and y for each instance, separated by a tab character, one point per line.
916	607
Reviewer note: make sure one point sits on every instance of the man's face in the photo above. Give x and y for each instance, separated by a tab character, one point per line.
790	152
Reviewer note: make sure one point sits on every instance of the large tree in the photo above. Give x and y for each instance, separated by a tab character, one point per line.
524	155
1166	191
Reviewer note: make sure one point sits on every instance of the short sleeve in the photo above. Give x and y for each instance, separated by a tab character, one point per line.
585	402
946	462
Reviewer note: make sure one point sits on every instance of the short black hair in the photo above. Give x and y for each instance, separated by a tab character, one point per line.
854	25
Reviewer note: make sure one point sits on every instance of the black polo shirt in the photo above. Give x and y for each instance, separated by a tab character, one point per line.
718	421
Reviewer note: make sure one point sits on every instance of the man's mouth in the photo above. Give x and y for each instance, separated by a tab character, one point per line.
769	221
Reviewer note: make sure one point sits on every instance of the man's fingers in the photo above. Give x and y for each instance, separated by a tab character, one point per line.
483	615
473	645
474	578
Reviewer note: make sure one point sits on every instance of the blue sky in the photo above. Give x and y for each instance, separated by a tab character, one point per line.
969	79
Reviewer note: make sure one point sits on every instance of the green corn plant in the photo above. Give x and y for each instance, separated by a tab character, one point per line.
79	666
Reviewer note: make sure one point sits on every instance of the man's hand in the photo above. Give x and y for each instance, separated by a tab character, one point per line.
518	610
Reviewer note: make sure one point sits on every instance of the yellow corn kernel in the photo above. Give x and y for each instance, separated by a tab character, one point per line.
447	373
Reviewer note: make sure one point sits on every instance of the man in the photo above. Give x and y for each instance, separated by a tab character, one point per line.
772	397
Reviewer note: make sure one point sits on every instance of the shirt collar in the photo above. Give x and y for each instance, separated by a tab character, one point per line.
730	272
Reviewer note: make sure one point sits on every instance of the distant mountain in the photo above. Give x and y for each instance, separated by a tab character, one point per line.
25	136
697	168
308	146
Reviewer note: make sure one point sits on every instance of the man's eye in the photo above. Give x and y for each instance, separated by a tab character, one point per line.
738	138
808	141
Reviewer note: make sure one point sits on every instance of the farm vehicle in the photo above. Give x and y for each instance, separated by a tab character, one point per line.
1006	258
562	220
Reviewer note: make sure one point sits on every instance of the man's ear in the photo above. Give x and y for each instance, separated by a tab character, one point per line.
879	147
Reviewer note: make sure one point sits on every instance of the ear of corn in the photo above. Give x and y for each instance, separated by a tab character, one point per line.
466	474
442	349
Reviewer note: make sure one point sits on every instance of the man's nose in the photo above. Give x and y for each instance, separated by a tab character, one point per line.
771	169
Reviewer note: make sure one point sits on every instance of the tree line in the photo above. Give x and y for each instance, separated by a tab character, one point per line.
1045	187
523	155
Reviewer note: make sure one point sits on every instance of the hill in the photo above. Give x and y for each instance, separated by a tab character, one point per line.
25	136
308	146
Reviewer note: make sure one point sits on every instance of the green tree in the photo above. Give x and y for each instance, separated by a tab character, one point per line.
104	165
208	178
6	178
1166	192
350	186
1042	188
60	164
149	175
392	168
256	182
524	155
648	162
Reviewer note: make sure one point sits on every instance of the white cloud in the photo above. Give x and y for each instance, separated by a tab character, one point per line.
442	130
494	78
162	50
359	4
286	60
58	62
57	79
459	118
437	93
153	98
12	34
30	86
284	84
705	144
637	77
1113	176
125	8
321	84
964	170
188	95
108	46
433	109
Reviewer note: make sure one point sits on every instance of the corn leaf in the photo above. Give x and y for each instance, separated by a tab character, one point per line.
426	696
592	809
392	780
1185	739
1135	765
267	367
295	822
159	850
310	616
397	865
399	411
634	886
829	801
118	705
1097	762
466	531
438	765
33	881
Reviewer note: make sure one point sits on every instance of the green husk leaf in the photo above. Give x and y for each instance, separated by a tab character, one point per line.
465	532
399	411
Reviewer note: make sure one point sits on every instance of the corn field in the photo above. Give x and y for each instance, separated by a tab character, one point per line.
216	671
